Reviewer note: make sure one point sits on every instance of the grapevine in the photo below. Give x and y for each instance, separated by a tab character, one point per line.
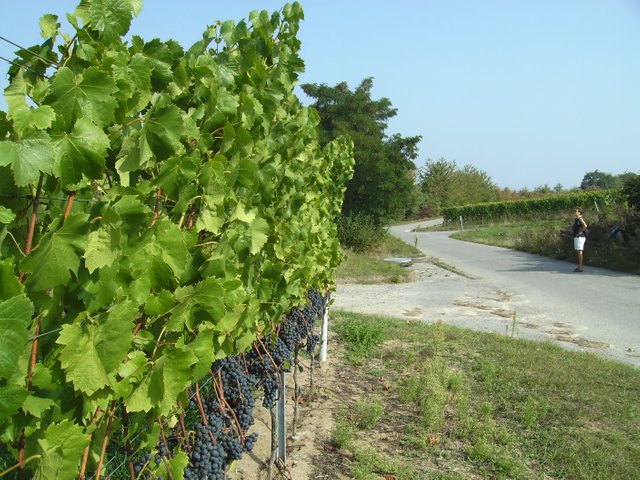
164	213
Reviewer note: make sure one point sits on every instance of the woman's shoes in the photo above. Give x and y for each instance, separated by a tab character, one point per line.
578	269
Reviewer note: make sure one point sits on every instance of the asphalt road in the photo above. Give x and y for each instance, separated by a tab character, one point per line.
508	292
599	304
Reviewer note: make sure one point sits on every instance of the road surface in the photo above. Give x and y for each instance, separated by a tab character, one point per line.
509	292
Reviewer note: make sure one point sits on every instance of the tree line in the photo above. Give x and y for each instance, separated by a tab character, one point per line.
387	185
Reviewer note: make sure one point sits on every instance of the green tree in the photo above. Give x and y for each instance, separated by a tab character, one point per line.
599	180
437	181
382	186
446	185
631	189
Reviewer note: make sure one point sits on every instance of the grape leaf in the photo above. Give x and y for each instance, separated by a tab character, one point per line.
209	295
49	25
57	254
173	247
61	450
92	352
259	231
6	215
84	95
103	248
176	173
15	317
164	130
24	115
170	376
11	399
202	348
28	158
112	18
9	284
37	406
82	152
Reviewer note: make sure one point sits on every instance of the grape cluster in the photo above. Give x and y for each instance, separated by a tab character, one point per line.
143	464
207	459
296	329
221	437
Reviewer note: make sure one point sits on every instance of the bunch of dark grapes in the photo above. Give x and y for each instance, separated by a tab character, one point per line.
265	376
207	459
222	440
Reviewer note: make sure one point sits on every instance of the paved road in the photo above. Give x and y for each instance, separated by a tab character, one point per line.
597	309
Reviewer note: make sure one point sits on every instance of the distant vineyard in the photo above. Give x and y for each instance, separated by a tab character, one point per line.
533	207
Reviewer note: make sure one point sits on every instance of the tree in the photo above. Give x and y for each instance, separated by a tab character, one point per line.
631	189
382	186
599	180
446	185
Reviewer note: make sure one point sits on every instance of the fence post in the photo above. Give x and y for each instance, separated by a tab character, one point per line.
282	418
325	333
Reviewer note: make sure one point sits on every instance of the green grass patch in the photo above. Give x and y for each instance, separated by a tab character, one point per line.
370	267
551	238
465	404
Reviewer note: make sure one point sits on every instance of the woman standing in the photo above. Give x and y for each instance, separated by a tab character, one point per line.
579	238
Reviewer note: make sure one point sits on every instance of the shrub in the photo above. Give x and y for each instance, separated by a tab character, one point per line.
631	190
359	232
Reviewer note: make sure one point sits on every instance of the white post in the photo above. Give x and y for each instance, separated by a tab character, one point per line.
461	223
325	333
282	422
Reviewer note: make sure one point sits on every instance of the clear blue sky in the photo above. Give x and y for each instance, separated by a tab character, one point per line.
532	92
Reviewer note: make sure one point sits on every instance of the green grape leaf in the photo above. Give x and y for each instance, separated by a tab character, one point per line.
114	336
259	234
6	215
80	359
37	406
26	117
177	464
202	348
106	289
28	158
11	399
23	114
82	152
159	304
9	284
163	131
137	72
103	248
209	295
61	451
78	96
58	254
49	25
170	376
243	215
173	247
15	318
176	173
92	352
136	6
161	57
112	18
